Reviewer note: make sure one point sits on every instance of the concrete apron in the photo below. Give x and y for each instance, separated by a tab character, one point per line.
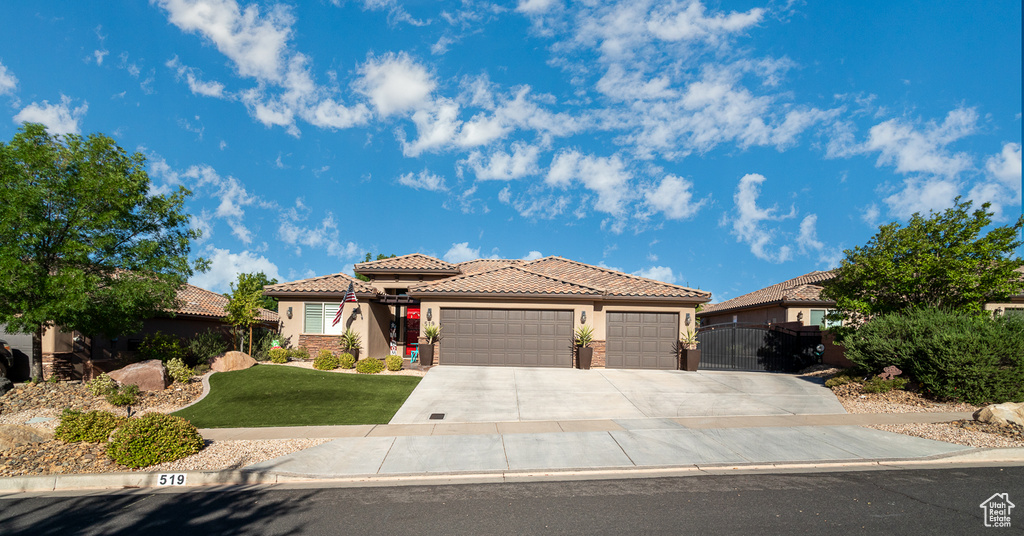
500	394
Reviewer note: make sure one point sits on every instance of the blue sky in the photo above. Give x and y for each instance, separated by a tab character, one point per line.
726	146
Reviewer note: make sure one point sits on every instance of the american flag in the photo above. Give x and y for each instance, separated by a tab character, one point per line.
350	296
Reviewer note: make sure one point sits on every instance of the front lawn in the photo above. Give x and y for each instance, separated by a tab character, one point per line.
287	396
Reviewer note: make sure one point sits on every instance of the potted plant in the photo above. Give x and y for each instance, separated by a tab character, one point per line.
350	343
582	338
431	334
689	354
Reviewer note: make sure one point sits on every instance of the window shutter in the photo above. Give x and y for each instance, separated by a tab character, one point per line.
314	320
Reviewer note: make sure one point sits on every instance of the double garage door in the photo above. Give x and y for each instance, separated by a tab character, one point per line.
506	337
543	338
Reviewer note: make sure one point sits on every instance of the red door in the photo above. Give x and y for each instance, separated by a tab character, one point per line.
412	328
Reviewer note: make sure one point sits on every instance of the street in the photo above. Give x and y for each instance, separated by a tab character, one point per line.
922	502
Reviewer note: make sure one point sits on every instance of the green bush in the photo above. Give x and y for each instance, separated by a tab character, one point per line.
162	346
205	346
278	355
393	362
325	361
955	356
878	385
262	342
839	379
369	365
298	353
101	385
178	371
346	360
154	438
91	427
126	395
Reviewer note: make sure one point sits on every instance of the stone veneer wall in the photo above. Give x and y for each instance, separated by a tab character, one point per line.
598	361
314	343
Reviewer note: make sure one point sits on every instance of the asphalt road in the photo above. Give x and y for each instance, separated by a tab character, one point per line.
929	502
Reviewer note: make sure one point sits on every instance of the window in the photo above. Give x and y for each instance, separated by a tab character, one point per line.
818	318
318	319
1019	311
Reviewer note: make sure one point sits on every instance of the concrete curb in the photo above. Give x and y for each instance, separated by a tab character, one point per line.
236	478
206	390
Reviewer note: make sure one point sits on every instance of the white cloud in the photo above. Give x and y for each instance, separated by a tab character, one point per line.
533	255
232	195
98	55
658	273
461	252
395	83
195	85
325	236
808	243
500	165
606	176
424	180
225	267
677	21
535	6
8	82
1006	167
911	150
435	127
1003	184
870	215
922	195
674	197
748	225
58	118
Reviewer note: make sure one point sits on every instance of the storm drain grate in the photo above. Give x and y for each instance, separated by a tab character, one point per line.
436	416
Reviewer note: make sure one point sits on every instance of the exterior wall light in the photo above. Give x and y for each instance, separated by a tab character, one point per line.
289	312
430	314
583	317
800	316
687	319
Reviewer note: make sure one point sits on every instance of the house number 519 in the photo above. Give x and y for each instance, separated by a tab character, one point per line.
171	479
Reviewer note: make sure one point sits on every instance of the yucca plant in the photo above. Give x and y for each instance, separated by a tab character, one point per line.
584	336
350	340
432	332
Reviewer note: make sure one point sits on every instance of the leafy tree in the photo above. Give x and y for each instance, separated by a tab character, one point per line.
244	302
942	261
369	257
254	283
84	243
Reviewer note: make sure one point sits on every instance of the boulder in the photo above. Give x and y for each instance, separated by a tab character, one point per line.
148	375
231	361
5	385
1009	412
16	435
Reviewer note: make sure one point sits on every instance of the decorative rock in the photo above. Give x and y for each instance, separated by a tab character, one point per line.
1007	413
231	361
148	375
16	435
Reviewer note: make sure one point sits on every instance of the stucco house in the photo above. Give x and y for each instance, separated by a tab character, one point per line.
794	300
494	312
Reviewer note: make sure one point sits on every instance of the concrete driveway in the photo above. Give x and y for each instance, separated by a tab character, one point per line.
499	394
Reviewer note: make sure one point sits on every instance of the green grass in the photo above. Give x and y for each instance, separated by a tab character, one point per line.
287	396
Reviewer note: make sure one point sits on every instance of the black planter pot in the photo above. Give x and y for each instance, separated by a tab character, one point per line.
426	355
690	360
585	355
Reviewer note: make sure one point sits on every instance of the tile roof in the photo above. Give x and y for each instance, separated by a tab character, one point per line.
804	288
484	265
504	281
415	262
612	282
325	284
201	302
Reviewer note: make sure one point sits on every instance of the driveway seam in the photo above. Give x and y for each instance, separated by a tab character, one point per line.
386	454
623	395
628	457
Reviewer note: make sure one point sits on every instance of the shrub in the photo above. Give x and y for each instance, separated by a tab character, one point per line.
205	346
126	395
262	342
298	353
346	360
154	438
91	427
393	362
162	346
101	385
178	371
325	361
278	355
952	355
369	365
878	385
839	379
350	340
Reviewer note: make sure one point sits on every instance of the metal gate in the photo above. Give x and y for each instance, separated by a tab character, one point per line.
757	347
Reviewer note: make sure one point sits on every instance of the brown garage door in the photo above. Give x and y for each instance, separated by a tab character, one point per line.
506	337
642	340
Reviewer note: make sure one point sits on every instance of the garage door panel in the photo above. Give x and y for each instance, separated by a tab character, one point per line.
506	337
644	340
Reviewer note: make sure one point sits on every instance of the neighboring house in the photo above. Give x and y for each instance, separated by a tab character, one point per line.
796	300
75	355
1013	305
497	312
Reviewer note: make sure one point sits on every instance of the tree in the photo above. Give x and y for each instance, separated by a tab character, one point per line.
84	243
254	283
943	261
243	308
380	257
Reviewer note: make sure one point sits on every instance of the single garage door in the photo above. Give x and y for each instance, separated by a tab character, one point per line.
642	340
506	337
